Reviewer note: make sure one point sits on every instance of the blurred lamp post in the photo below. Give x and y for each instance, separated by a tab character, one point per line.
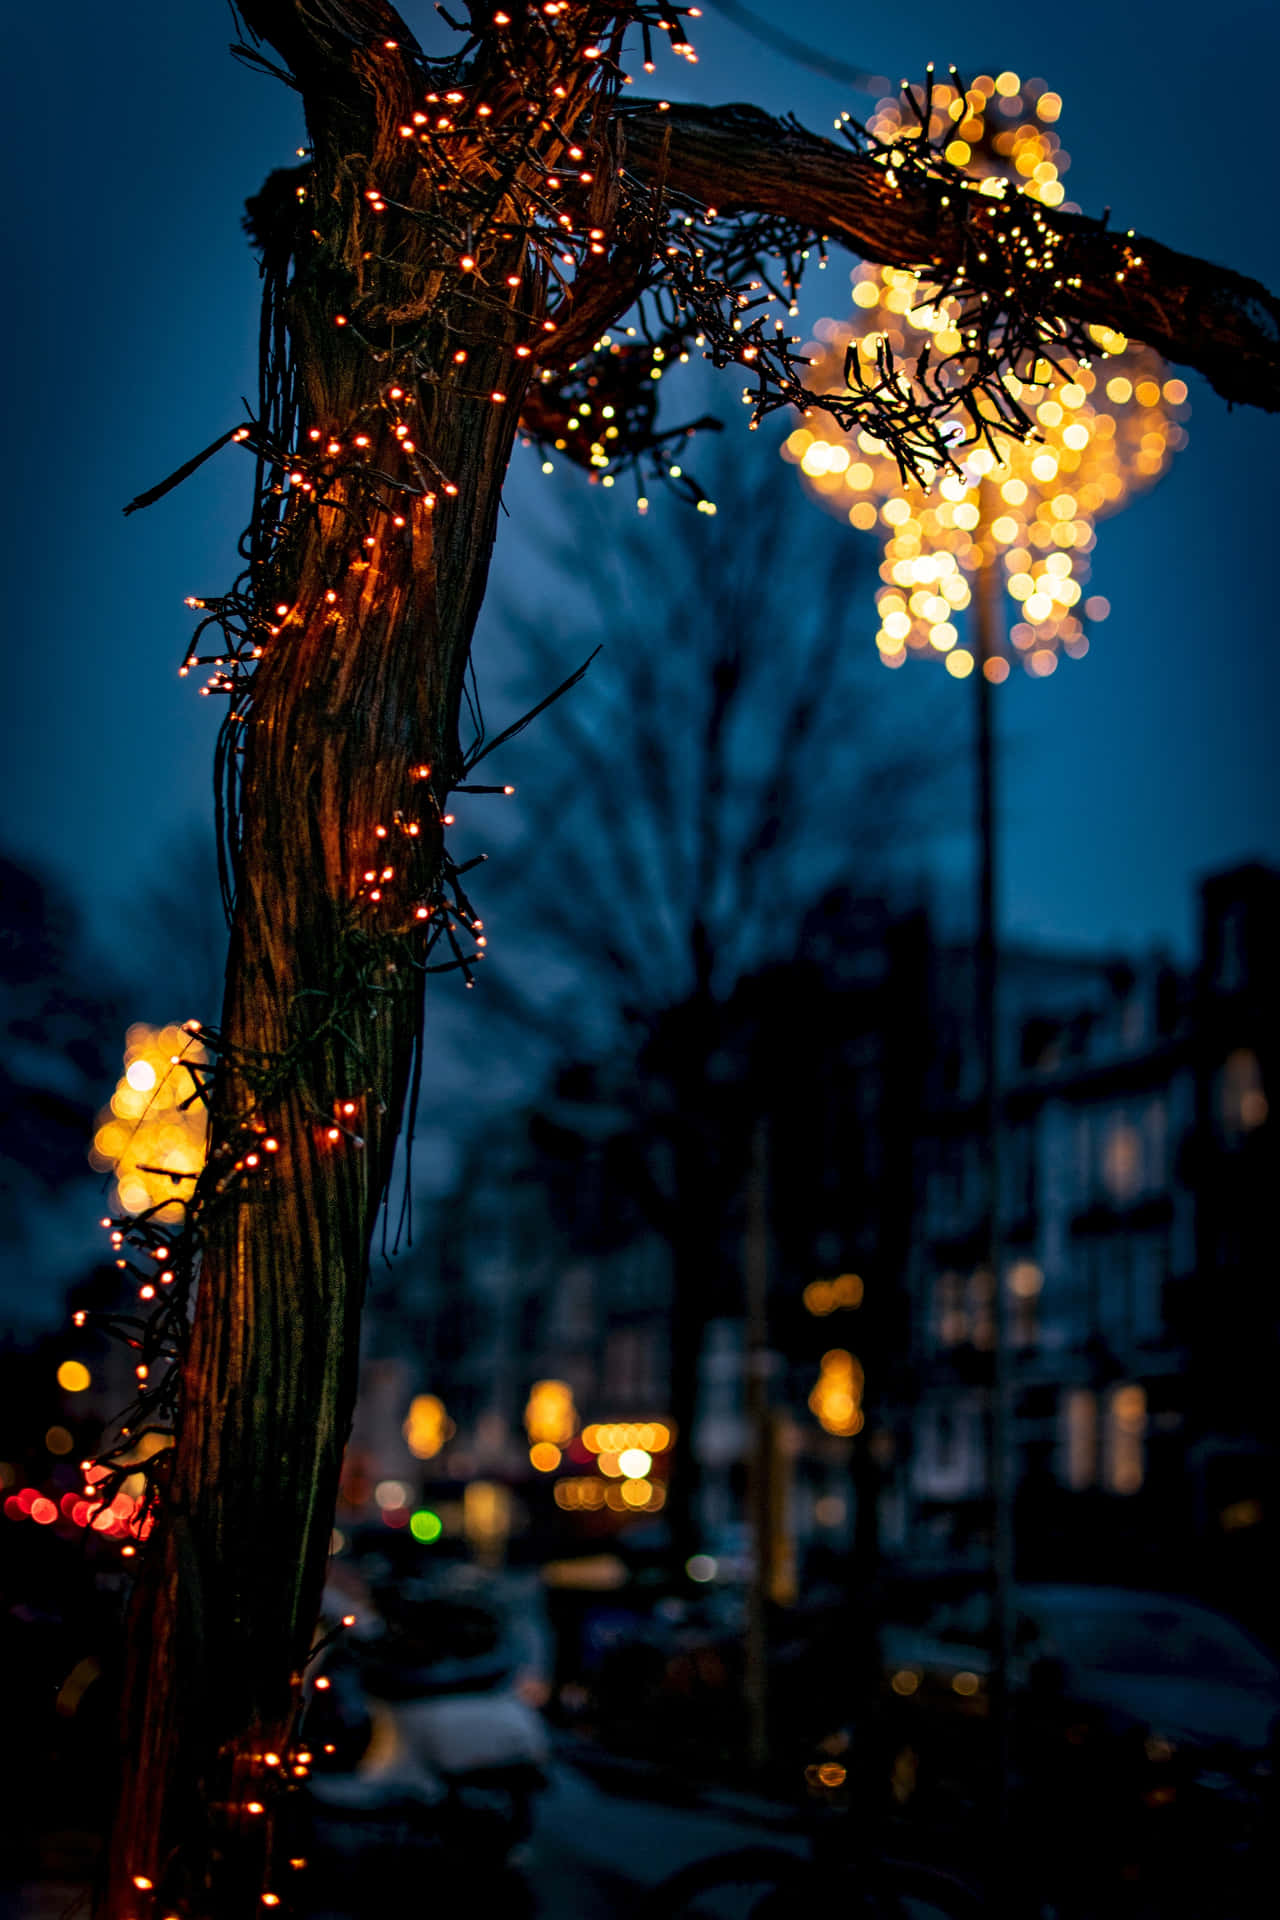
1021	510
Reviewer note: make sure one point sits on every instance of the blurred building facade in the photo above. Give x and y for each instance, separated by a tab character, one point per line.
1137	1155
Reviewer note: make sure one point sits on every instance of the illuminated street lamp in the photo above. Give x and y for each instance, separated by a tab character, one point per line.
1013	511
1025	508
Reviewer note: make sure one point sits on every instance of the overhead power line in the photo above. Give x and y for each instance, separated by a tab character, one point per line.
799	50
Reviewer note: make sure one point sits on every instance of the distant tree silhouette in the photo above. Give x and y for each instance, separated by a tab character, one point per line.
726	762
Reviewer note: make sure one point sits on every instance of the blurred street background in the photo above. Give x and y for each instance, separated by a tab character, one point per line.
819	1376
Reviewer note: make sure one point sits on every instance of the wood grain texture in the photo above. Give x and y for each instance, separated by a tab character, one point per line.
739	159
344	706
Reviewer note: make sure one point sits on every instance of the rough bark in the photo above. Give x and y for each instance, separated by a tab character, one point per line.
349	698
348	701
343	714
739	159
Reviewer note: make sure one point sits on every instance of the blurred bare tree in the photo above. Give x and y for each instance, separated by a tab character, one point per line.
735	753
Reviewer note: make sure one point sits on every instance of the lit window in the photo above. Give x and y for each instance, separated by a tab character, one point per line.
1080	1438
1122	1160
951	1319
1242	1102
1025	1281
1126	1439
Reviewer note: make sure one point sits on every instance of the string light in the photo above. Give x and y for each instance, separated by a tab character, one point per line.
509	213
1102	428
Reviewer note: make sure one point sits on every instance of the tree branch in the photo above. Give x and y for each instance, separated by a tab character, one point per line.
323	40
738	159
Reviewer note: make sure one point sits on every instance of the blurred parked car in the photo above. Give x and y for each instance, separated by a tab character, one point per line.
425	1739
1184	1675
1144	1739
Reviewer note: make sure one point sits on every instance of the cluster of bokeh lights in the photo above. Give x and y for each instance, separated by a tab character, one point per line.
1101	431
152	1137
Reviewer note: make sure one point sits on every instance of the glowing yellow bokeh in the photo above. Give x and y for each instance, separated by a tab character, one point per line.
837	1397
588	1494
1102	431
427	1427
74	1376
152	1136
615	1437
825	1296
550	1414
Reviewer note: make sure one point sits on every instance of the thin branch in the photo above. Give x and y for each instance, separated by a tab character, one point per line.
741	160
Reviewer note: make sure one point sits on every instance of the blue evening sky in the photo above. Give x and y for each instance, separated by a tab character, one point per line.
132	319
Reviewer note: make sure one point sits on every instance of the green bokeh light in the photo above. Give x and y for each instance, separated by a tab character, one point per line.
425	1525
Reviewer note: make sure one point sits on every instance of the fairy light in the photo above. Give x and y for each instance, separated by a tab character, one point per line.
402	892
1102	430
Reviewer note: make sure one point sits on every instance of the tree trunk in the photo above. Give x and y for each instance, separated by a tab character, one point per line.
352	699
352	694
